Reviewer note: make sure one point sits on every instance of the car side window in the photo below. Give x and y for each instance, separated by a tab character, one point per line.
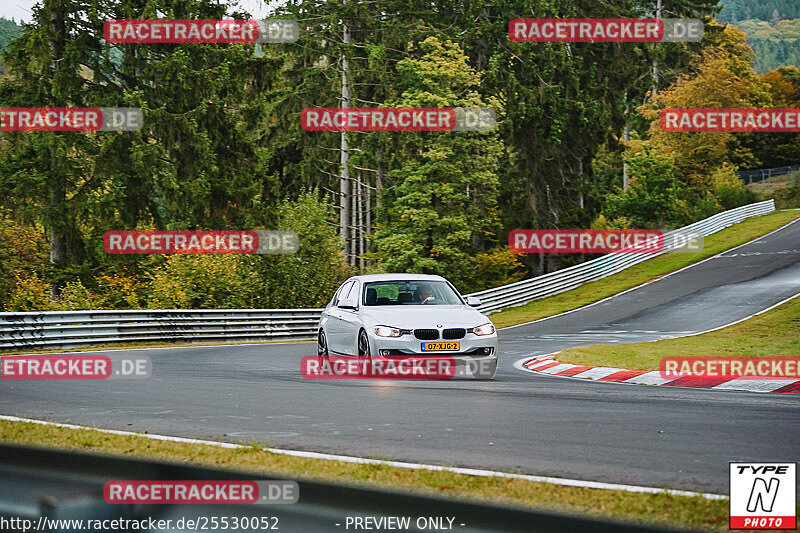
353	292
341	293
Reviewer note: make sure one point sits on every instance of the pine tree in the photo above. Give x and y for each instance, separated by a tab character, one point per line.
200	161
441	207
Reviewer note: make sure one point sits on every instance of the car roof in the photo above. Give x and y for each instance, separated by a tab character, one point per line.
398	277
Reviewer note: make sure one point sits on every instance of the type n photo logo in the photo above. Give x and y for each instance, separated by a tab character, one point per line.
763	495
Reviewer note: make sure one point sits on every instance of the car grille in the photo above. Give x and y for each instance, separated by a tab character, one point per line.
454	333
426	334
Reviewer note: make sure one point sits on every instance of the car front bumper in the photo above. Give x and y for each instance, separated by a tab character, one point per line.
476	356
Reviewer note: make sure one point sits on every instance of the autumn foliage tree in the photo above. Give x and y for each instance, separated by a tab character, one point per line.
722	77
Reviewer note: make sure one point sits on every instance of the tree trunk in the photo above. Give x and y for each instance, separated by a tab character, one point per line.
353	225
360	202
368	214
655	63
379	178
344	181
58	184
626	136
58	241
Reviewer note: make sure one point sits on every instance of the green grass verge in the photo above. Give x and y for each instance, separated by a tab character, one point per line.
636	275
690	512
775	333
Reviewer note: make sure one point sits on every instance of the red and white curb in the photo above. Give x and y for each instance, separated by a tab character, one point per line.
547	364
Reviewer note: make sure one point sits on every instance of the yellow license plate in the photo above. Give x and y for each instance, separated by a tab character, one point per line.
441	346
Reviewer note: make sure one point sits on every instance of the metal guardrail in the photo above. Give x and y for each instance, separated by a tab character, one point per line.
763	174
75	328
51	329
59	487
525	291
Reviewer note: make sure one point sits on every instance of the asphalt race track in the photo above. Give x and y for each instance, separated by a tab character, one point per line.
655	436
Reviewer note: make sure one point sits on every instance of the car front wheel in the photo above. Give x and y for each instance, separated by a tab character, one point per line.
322	347
363	348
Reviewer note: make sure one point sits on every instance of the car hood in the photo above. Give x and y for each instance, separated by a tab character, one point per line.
424	316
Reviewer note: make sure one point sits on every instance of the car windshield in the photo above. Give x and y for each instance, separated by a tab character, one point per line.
410	293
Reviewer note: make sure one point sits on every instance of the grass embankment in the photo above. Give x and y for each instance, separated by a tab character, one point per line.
775	333
636	275
682	511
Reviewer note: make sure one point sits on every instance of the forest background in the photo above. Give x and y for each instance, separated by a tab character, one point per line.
577	144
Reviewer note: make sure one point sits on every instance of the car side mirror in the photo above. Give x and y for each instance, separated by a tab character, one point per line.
347	304
473	301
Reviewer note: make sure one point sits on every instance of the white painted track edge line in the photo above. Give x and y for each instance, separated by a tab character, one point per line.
770	308
695	334
651	281
398	464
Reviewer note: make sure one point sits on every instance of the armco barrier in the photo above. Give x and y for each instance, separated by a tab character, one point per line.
522	292
52	329
75	328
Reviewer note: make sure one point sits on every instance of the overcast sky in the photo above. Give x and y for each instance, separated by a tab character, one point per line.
20	10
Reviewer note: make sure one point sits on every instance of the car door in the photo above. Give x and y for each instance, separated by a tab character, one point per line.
350	321
333	325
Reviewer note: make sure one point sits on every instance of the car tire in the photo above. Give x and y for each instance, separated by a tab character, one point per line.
362	347
322	347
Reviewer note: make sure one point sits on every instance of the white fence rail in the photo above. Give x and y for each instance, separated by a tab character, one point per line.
53	329
566	279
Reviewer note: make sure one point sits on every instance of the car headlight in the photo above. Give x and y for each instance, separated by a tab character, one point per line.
484	329
386	331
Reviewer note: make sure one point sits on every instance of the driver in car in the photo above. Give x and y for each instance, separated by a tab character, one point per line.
424	294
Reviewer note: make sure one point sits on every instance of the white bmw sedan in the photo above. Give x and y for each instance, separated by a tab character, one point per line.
385	315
